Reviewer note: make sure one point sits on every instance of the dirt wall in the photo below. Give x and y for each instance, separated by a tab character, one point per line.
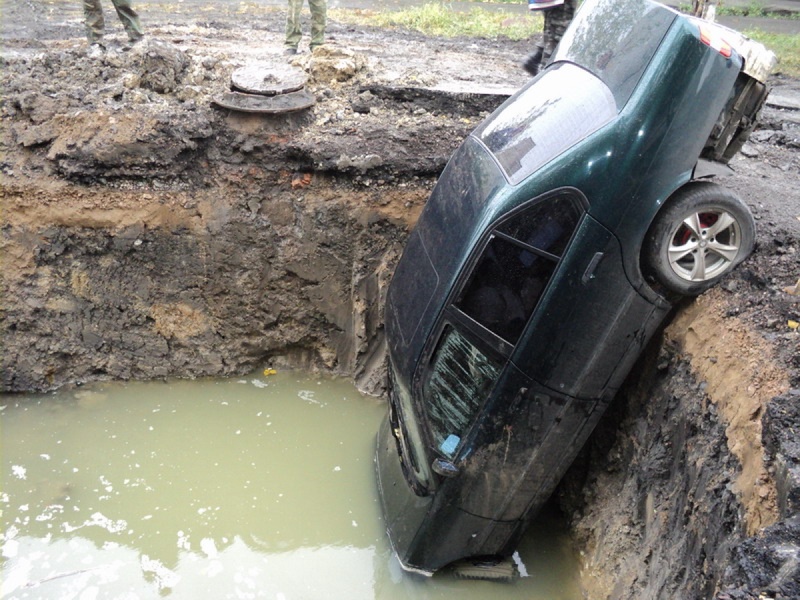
677	472
193	283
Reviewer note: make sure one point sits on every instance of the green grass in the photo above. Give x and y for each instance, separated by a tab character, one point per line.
755	8
442	20
786	47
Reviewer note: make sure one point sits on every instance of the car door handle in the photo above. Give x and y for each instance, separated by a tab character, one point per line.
588	274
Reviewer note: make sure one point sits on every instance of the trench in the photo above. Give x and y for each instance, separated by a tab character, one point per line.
185	241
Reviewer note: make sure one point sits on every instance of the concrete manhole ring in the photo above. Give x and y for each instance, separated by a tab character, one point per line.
256	103
268	80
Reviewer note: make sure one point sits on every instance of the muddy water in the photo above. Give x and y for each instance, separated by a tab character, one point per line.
257	487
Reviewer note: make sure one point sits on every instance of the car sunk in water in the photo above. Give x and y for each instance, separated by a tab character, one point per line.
550	251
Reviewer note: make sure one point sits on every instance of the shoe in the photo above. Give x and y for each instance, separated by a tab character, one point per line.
544	62
290	51
533	62
96	50
131	43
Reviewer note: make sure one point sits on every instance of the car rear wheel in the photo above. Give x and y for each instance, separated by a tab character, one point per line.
699	236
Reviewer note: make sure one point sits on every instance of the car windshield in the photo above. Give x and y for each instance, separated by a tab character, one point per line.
546	118
615	41
460	379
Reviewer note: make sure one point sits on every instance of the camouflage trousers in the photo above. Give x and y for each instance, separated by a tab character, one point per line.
95	24
319	11
556	21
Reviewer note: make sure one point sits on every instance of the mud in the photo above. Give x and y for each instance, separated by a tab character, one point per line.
147	232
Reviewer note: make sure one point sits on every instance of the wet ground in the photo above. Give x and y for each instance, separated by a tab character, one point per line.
253	487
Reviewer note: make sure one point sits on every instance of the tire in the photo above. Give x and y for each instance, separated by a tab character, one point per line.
698	237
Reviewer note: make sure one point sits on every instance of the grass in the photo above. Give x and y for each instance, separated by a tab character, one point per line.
442	20
752	9
786	47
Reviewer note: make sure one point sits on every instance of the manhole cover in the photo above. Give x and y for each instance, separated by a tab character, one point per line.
255	103
268	80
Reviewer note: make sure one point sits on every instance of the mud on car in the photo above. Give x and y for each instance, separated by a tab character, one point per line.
553	246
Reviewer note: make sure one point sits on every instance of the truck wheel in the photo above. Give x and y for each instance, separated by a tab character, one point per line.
699	236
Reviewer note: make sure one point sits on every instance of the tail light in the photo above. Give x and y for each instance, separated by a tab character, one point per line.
711	37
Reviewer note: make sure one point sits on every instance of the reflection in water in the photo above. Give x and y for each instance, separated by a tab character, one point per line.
260	487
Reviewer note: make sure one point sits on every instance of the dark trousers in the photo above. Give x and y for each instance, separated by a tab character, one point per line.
95	24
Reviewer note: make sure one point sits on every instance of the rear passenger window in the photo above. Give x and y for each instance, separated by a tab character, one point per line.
517	263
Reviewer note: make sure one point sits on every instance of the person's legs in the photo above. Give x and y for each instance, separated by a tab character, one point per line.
549	40
95	25
129	19
293	33
319	18
556	21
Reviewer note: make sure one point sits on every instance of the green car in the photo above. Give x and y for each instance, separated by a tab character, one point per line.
553	246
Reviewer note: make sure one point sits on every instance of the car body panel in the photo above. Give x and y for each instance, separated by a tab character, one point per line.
455	204
613	318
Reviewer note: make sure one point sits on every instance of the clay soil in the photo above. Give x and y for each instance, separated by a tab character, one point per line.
132	142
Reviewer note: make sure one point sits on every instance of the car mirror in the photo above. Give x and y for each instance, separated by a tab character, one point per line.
445	468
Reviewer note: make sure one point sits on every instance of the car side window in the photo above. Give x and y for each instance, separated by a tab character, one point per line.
517	263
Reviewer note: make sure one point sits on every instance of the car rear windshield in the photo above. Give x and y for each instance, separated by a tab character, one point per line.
615	41
546	118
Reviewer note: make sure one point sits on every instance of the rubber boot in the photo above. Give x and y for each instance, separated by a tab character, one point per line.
533	61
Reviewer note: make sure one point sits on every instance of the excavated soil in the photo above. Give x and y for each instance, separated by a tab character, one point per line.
147	232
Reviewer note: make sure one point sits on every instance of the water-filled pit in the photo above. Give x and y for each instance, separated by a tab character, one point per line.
252	487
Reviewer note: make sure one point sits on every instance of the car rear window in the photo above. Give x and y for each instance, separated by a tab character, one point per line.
549	116
615	41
